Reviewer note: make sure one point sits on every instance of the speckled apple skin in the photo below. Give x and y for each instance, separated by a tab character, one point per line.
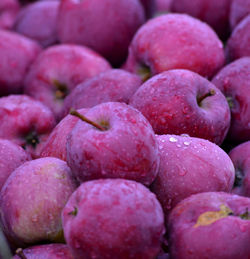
174	41
67	64
128	149
50	251
17	53
38	22
233	81
114	85
32	199
55	145
213	12
9	10
116	218
108	26
238	44
240	156
239	10
21	115
11	157
227	238
188	166
169	102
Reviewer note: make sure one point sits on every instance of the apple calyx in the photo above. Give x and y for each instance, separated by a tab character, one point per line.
85	119
31	139
230	102
74	212
201	98
144	72
20	253
61	89
245	215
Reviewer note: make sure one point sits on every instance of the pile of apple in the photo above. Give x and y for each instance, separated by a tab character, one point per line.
125	130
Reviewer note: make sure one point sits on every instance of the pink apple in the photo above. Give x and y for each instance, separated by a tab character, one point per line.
105	26
25	121
188	166
210	225
58	70
113	218
234	82
182	102
38	22
32	199
175	41
125	147
17	53
240	156
8	12
114	85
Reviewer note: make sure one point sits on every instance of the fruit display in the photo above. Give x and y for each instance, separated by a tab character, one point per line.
124	129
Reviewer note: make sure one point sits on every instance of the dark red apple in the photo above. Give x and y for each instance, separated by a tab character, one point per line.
113	218
182	102
239	10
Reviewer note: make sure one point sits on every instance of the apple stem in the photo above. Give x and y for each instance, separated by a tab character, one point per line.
210	93
20	253
83	118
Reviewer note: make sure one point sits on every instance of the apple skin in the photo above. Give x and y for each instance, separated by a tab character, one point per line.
50	251
32	199
17	53
163	6
63	66
114	85
25	121
127	149
113	218
108	26
169	102
55	145
8	12
174	41
238	43
149	7
188	166
213	12
233	81
239	10
240	156
38	22
227	237
11	157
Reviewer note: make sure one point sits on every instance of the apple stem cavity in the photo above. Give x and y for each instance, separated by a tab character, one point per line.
201	98
74	212
32	139
61	89
230	102
20	253
83	118
144	72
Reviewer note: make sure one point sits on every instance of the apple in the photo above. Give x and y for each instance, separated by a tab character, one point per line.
182	102
113	218
163	6
239	9
49	251
55	145
120	143
25	121
213	12
114	85
149	7
17	53
38	22
11	157
210	225
240	156
8	12
238	43
105	26
32	199
233	81
58	70
190	165
174	41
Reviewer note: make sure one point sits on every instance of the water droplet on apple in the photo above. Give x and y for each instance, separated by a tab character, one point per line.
186	143
172	139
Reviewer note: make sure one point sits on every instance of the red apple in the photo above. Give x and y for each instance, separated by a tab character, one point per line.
8	12
113	218
239	10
